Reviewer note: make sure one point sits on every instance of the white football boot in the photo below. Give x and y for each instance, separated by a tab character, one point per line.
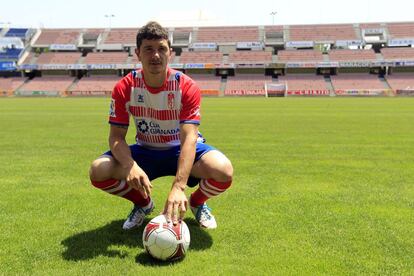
204	216
137	215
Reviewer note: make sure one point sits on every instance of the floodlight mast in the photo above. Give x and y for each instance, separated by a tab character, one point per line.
273	14
109	16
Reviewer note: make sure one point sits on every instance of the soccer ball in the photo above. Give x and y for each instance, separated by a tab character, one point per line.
164	241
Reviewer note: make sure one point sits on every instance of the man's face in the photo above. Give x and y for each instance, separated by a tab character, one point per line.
154	55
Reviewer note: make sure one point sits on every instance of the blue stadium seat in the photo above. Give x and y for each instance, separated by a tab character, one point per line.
10	53
17	32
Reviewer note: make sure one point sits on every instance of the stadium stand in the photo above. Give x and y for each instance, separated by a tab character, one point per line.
10	53
46	85
201	57
358	84
106	58
29	58
246	57
57	36
8	85
17	32
299	55
246	84
322	33
181	36
296	55
58	58
91	37
11	48
399	53
304	84
401	30
351	55
134	59
209	84
227	34
402	83
93	86
121	36
274	35
370	26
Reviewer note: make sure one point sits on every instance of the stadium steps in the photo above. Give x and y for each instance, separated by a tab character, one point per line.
35	36
81	60
176	59
223	85
74	83
129	60
386	84
194	35
104	35
261	34
385	27
24	55
3	31
34	59
80	36
379	56
357	31
20	86
329	85
286	33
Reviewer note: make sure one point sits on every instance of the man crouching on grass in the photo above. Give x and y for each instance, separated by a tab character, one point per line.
165	107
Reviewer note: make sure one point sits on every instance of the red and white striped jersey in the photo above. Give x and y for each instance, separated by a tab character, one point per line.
157	112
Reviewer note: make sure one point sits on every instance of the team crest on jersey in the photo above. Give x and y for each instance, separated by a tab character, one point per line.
171	100
140	98
112	109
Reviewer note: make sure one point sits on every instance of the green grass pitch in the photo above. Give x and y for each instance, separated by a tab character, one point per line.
322	186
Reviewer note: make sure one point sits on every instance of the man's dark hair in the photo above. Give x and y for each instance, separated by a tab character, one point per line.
152	31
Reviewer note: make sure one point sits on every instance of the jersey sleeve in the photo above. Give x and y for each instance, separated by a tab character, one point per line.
190	102
118	114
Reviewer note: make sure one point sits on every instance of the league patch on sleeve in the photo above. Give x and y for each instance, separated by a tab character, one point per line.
178	76
112	109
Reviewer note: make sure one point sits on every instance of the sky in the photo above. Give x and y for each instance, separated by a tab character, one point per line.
127	14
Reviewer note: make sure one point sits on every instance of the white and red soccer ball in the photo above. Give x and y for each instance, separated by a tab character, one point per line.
165	241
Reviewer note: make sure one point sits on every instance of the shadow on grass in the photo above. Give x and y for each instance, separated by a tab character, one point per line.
100	242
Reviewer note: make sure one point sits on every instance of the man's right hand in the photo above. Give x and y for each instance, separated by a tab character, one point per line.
139	180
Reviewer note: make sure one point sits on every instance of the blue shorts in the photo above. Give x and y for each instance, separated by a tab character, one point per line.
158	163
